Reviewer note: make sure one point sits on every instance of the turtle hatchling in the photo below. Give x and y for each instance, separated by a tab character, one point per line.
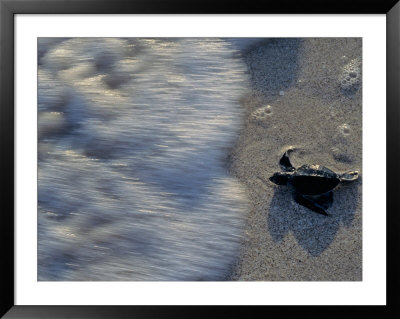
312	184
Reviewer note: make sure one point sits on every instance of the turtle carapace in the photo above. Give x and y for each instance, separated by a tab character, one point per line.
312	184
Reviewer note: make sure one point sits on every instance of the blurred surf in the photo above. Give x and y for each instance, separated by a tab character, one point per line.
133	140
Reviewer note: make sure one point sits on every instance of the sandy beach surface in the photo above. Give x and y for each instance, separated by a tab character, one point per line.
134	177
305	94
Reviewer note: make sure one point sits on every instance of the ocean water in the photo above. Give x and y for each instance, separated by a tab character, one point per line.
133	139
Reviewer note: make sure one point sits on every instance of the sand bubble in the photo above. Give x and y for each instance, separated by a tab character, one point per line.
261	113
350	77
345	129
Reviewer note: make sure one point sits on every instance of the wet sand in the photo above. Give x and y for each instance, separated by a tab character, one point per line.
306	94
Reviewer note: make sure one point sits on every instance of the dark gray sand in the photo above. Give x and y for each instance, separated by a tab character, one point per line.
306	94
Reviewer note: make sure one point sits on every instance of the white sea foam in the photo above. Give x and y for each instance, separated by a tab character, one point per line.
133	139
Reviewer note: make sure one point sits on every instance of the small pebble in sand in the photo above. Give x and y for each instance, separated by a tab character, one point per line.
261	113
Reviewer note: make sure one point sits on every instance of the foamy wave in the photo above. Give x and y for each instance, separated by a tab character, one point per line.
133	138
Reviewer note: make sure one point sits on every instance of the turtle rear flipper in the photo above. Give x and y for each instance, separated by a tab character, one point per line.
311	204
349	176
285	164
324	201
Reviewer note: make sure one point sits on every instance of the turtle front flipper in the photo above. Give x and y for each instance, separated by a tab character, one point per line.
285	164
349	176
313	204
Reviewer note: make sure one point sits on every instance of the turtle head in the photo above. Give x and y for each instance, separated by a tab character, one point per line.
280	178
349	176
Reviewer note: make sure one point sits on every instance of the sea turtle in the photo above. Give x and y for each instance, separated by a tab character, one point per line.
312	184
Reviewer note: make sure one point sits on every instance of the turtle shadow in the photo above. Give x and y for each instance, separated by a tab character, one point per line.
314	232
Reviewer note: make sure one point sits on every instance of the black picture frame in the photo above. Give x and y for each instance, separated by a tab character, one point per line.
8	8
